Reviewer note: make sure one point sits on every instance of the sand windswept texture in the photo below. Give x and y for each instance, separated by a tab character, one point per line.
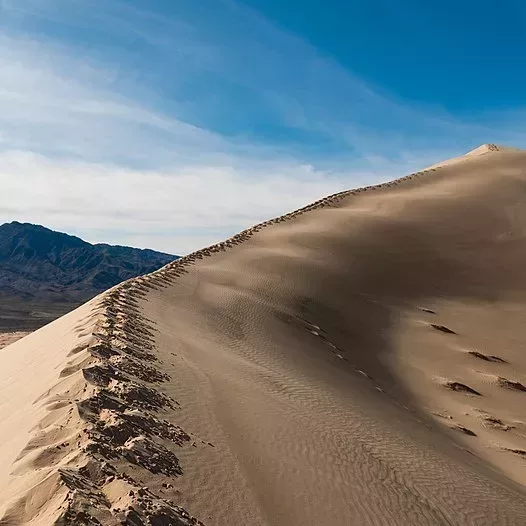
358	362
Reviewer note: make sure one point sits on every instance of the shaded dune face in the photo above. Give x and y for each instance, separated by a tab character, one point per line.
357	362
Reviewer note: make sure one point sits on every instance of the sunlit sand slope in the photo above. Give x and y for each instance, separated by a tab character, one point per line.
360	361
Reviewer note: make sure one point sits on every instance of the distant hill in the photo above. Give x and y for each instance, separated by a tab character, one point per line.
44	273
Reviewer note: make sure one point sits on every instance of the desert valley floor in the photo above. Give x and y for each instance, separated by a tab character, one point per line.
360	361
6	338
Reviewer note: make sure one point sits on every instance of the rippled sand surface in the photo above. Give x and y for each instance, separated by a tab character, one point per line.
360	361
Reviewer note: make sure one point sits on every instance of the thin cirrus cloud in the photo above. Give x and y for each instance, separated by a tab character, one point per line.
172	129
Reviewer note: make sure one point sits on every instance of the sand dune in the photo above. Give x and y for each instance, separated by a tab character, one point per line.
357	362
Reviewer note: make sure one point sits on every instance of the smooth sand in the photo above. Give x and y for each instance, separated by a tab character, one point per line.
360	361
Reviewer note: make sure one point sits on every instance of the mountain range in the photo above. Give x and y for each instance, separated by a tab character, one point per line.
44	273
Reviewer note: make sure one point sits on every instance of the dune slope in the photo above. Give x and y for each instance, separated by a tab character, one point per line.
359	361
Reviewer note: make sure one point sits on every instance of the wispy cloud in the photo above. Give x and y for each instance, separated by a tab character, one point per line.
201	201
173	130
52	103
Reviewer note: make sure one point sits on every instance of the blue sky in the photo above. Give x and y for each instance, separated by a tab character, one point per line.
172	124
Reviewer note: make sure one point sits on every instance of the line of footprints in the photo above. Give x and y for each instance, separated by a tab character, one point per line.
489	421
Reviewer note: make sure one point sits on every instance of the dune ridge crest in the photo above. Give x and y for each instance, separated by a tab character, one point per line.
113	418
117	405
486	148
105	422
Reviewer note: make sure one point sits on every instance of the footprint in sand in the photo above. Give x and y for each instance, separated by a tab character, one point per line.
520	452
486	357
465	430
509	384
493	422
442	328
316	330
429	311
460	387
